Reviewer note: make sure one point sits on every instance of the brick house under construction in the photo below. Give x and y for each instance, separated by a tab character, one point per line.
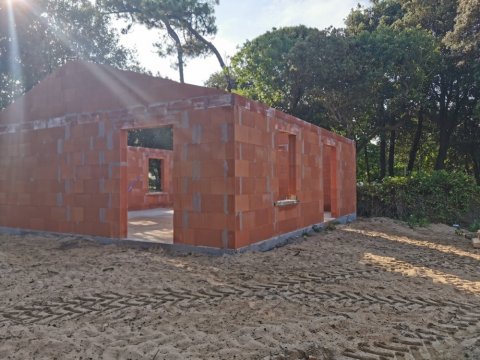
240	173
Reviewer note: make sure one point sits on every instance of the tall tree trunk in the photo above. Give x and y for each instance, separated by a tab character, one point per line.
415	144
367	164
179	47
476	166
447	121
391	153
383	155
383	140
213	49
444	143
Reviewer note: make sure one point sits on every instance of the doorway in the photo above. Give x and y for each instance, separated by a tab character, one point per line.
330	188
149	184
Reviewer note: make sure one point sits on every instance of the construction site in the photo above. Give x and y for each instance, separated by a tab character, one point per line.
106	249
240	174
374	289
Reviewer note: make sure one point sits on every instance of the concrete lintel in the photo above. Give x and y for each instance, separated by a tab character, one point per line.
262	246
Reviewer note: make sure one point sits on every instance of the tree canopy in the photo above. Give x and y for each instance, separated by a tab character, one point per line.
402	79
186	25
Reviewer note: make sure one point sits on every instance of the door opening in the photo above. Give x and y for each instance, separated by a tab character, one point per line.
150	187
330	188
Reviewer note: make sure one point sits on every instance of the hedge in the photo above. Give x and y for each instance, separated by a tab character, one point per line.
439	197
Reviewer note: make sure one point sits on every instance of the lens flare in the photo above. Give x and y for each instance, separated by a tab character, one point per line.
14	62
18	8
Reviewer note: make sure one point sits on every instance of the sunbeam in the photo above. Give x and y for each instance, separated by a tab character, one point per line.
115	85
127	94
448	249
407	269
15	68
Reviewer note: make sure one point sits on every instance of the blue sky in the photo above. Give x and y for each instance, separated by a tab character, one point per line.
238	21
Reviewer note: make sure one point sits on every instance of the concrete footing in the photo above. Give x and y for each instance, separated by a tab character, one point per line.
261	246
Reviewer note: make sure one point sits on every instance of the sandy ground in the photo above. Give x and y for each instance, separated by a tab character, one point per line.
375	289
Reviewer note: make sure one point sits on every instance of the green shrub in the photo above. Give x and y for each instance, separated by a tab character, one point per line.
437	197
414	221
474	226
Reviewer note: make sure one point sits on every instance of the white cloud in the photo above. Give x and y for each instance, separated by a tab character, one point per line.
239	21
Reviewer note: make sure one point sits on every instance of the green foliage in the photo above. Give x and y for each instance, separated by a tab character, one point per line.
335	80
155	175
158	138
465	35
474	226
437	197
272	68
331	225
402	80
382	13
185	25
414	221
218	80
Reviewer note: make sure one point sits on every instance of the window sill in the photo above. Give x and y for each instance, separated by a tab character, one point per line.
286	202
154	193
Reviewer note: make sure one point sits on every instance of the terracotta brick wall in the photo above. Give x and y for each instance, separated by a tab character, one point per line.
69	174
262	173
62	175
204	178
139	195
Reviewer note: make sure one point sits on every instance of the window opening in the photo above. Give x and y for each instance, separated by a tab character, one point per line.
286	168
155	180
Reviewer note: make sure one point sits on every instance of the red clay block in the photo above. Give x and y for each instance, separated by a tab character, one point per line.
242	203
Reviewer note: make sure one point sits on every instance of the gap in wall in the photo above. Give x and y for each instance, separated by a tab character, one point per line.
285	146
150	187
329	169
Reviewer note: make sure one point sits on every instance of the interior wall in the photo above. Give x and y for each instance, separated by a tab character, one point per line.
139	195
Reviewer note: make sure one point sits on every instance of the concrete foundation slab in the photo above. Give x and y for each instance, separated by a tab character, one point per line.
154	225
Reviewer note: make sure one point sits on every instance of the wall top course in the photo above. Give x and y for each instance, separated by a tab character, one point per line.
128	118
131	99
292	124
85	87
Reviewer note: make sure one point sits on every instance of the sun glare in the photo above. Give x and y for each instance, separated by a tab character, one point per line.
407	269
14	46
